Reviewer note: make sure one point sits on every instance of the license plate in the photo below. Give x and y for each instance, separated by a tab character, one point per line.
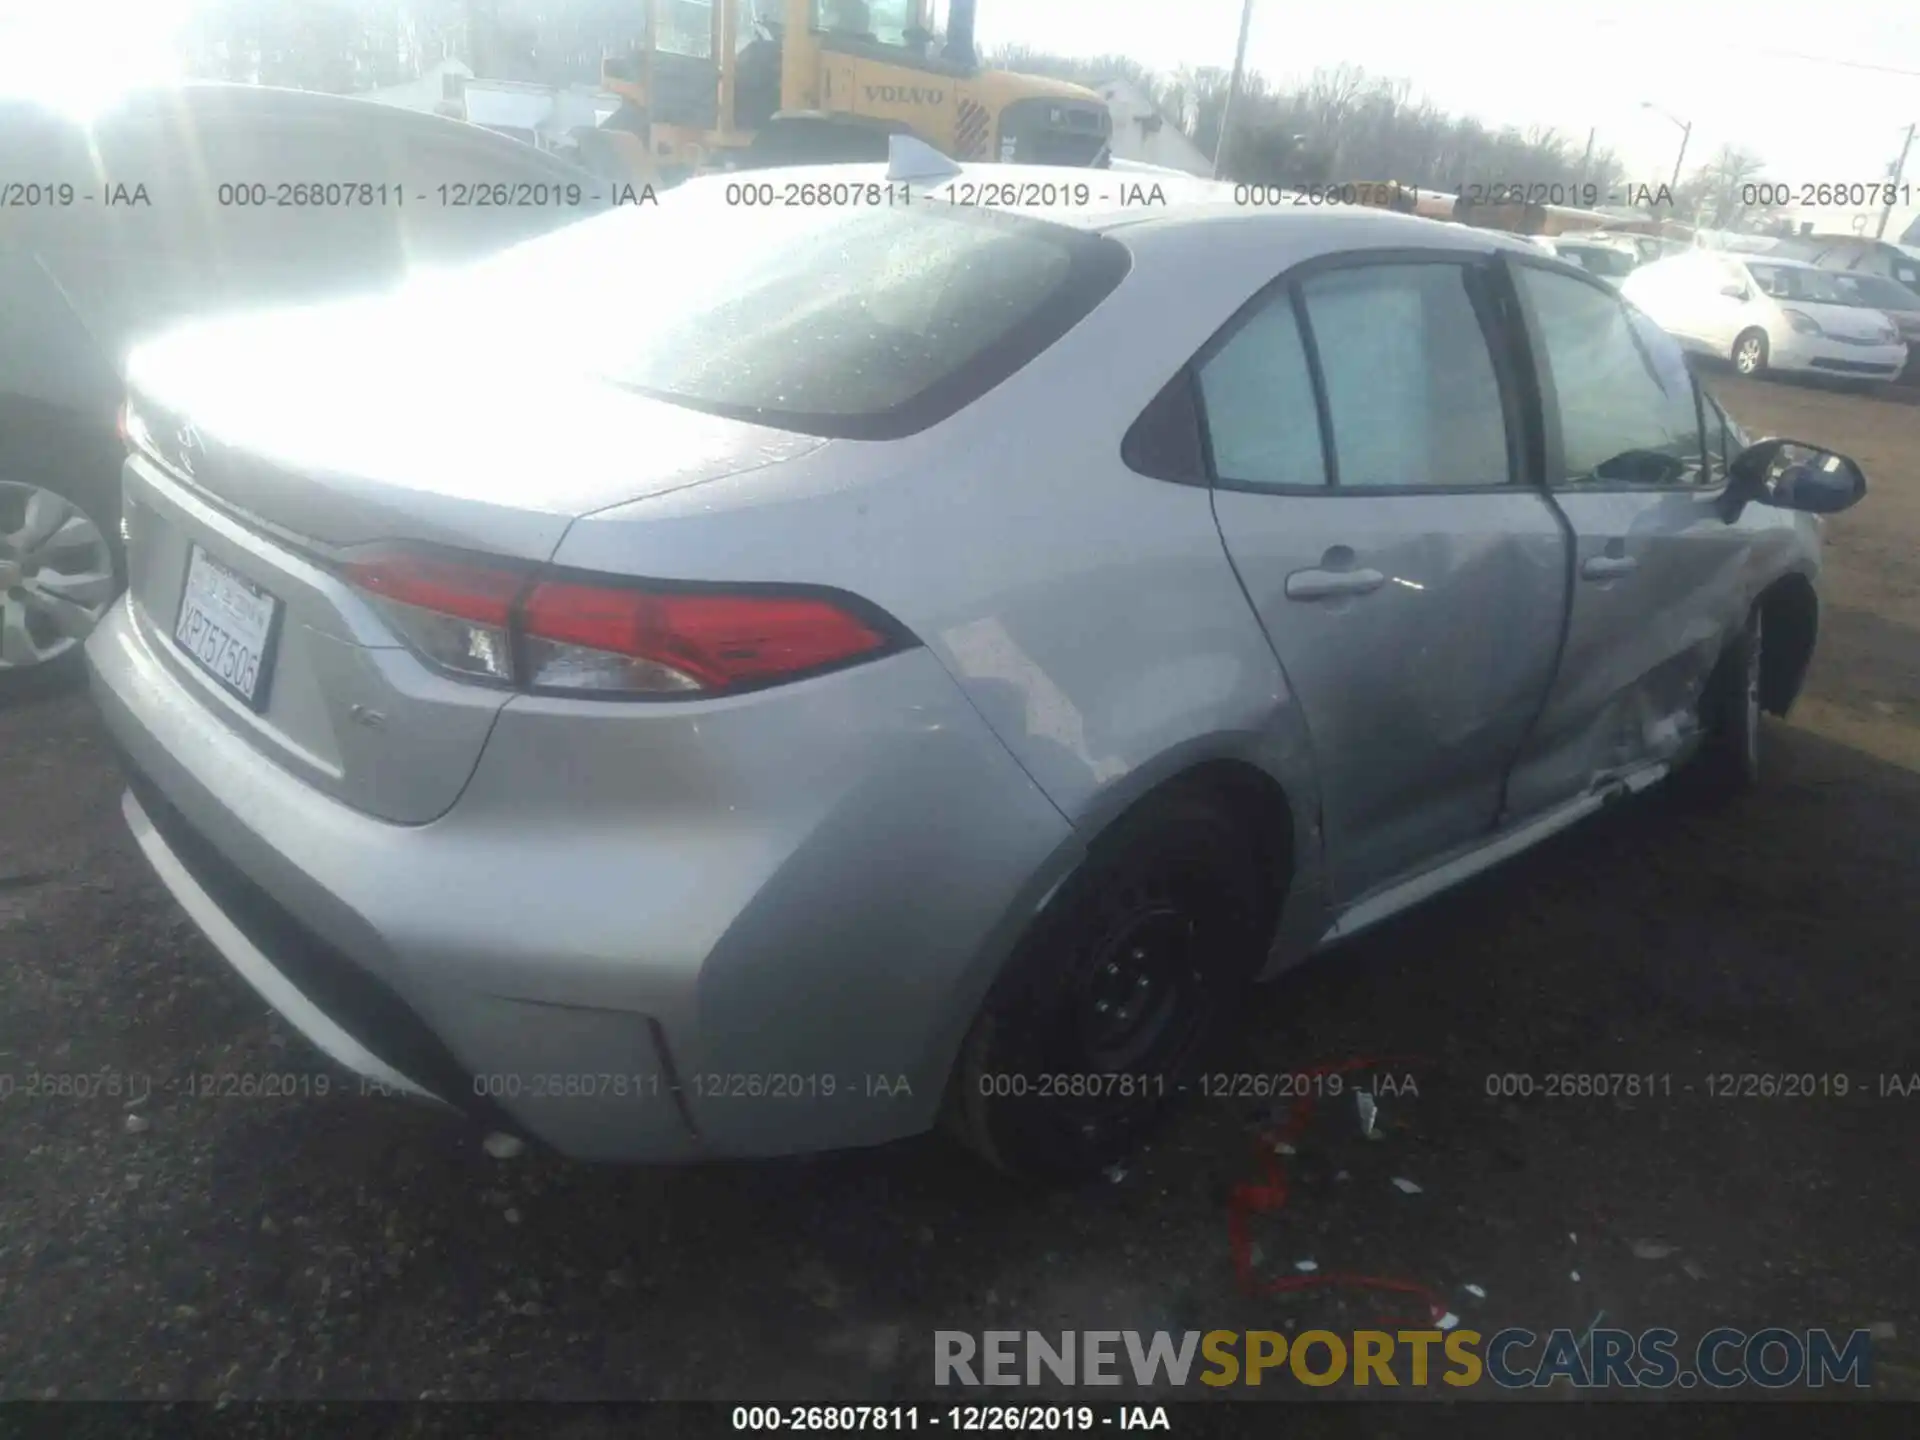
229	625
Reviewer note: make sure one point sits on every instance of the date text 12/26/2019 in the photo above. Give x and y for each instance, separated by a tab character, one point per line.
956	1418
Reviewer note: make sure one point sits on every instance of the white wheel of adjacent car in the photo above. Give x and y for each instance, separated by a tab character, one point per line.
1750	352
57	578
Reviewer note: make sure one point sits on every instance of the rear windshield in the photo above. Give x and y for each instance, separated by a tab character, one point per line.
841	321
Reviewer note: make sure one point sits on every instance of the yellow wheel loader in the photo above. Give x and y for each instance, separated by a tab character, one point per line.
741	84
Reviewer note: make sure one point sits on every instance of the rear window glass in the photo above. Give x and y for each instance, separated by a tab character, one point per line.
834	321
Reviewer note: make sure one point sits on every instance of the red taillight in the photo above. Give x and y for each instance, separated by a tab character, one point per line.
448	587
480	620
719	640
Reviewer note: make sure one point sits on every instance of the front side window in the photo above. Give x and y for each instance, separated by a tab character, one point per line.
1410	383
1625	394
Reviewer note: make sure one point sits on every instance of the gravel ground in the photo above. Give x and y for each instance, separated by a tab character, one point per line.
164	1243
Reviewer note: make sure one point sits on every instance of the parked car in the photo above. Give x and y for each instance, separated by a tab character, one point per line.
929	660
1854	253
183	201
1766	314
1892	299
1610	260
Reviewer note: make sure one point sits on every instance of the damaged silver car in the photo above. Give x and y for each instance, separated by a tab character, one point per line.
929	660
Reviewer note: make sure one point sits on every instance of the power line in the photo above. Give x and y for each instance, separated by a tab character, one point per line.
1602	22
1826	60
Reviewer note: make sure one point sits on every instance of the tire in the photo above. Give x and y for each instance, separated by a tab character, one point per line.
1728	762
61	567
1750	353
1132	971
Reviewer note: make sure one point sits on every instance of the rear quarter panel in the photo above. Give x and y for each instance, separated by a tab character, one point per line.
1088	613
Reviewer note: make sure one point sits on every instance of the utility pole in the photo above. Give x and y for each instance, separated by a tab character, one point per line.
1586	160
1686	134
1233	87
1894	179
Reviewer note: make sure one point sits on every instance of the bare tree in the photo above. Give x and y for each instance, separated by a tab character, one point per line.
1341	125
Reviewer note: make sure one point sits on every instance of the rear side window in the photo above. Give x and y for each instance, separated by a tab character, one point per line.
862	324
1258	394
1410	384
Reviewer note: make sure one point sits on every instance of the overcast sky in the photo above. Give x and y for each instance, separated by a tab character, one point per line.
1773	77
1756	73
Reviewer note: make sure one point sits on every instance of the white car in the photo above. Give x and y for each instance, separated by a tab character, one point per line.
1766	314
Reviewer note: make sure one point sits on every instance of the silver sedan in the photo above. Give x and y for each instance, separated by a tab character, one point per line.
731	679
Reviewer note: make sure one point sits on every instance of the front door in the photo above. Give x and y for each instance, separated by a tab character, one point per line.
1659	576
1368	486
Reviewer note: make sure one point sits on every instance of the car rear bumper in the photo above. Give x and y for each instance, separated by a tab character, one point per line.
744	927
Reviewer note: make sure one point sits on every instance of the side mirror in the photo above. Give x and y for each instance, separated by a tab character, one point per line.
1734	292
1790	475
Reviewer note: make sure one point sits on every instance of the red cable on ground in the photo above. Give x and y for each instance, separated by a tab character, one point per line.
1269	1193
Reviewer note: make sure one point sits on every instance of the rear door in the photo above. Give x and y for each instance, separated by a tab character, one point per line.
1658	575
1366	452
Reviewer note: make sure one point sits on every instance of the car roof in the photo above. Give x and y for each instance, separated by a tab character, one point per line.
1184	201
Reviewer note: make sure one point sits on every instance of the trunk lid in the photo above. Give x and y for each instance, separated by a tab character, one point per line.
269	443
391	418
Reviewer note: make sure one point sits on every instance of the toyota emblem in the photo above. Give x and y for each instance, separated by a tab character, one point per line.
188	446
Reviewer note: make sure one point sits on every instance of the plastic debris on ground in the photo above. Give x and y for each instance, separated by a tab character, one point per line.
1447	1321
1306	1267
1116	1173
1283	1148
1405	1187
1652	1250
1695	1270
1475	1291
1369	1113
502	1146
1574	1276
1585	1343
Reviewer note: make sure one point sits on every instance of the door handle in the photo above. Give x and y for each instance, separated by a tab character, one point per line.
1608	567
1328	584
